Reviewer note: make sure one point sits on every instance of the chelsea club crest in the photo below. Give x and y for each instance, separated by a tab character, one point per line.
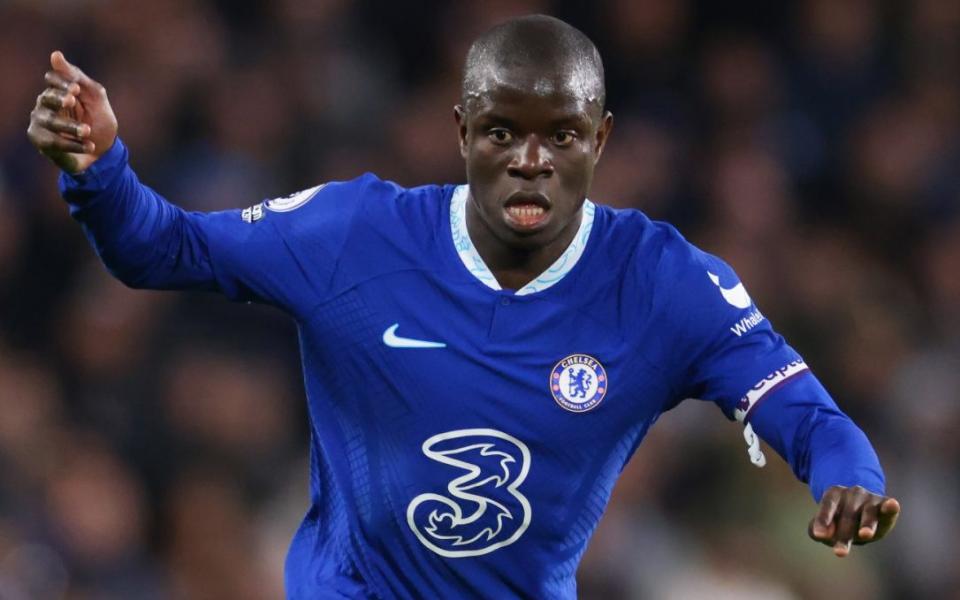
578	383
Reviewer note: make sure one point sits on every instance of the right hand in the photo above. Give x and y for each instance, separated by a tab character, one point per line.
72	124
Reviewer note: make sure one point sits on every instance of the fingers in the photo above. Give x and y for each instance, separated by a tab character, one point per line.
877	519
855	506
57	81
889	513
45	118
72	74
52	144
72	119
60	65
53	133
853	515
890	508
822	528
868	522
846	529
57	99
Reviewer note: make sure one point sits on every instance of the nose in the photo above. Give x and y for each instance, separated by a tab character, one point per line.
531	160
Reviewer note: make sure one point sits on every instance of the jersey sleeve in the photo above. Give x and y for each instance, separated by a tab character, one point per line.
822	445
723	348
726	351
281	252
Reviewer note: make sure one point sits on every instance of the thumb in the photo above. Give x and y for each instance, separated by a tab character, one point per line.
59	63
72	72
890	506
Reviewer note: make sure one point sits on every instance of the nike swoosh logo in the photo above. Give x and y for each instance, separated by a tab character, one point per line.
390	338
735	296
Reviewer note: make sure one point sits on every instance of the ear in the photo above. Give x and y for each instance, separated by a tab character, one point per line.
460	116
603	134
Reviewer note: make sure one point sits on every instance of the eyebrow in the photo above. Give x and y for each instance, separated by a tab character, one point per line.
497	118
571	119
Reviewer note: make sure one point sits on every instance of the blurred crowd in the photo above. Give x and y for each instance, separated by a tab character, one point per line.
153	445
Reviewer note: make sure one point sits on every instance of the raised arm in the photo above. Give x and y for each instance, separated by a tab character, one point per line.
143	240
147	242
73	123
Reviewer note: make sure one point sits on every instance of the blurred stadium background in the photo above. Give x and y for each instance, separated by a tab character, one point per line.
152	445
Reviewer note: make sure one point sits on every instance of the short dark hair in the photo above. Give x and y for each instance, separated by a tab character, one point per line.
539	42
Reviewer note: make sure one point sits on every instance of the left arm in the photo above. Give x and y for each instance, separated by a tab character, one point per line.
731	355
826	449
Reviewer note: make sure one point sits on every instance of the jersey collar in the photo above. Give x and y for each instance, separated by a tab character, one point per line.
472	261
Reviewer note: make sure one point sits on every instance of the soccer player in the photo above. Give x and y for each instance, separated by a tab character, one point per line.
481	360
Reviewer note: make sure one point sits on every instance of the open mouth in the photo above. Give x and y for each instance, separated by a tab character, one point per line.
526	211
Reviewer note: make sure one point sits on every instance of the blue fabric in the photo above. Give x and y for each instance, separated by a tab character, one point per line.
823	446
480	465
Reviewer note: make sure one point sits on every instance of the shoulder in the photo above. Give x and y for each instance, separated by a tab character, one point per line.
328	200
678	282
364	226
340	205
325	219
706	308
695	286
654	252
694	272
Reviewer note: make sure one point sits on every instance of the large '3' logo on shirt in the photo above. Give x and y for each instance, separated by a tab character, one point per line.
482	510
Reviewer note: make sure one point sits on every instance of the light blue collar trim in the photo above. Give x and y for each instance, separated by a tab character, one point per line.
472	261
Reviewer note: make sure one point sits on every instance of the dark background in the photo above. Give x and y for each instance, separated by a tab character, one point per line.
153	445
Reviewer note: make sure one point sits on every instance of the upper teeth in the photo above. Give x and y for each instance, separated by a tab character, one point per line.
526	211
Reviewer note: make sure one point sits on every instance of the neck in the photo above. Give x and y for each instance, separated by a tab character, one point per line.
513	266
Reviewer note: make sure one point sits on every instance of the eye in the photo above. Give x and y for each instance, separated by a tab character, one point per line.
563	138
499	135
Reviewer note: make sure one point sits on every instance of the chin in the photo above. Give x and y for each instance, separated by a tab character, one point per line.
525	239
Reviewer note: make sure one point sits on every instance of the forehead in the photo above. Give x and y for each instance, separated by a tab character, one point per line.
568	90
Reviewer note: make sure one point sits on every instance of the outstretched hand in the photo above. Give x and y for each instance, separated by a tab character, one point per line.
852	515
72	123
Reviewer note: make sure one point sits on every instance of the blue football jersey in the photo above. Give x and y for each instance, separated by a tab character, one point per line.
465	439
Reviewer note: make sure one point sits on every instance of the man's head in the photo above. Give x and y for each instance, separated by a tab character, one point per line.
532	126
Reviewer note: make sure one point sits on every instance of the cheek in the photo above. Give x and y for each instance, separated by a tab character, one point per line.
483	164
579	168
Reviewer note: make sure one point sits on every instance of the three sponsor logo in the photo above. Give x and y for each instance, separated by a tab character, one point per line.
481	509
